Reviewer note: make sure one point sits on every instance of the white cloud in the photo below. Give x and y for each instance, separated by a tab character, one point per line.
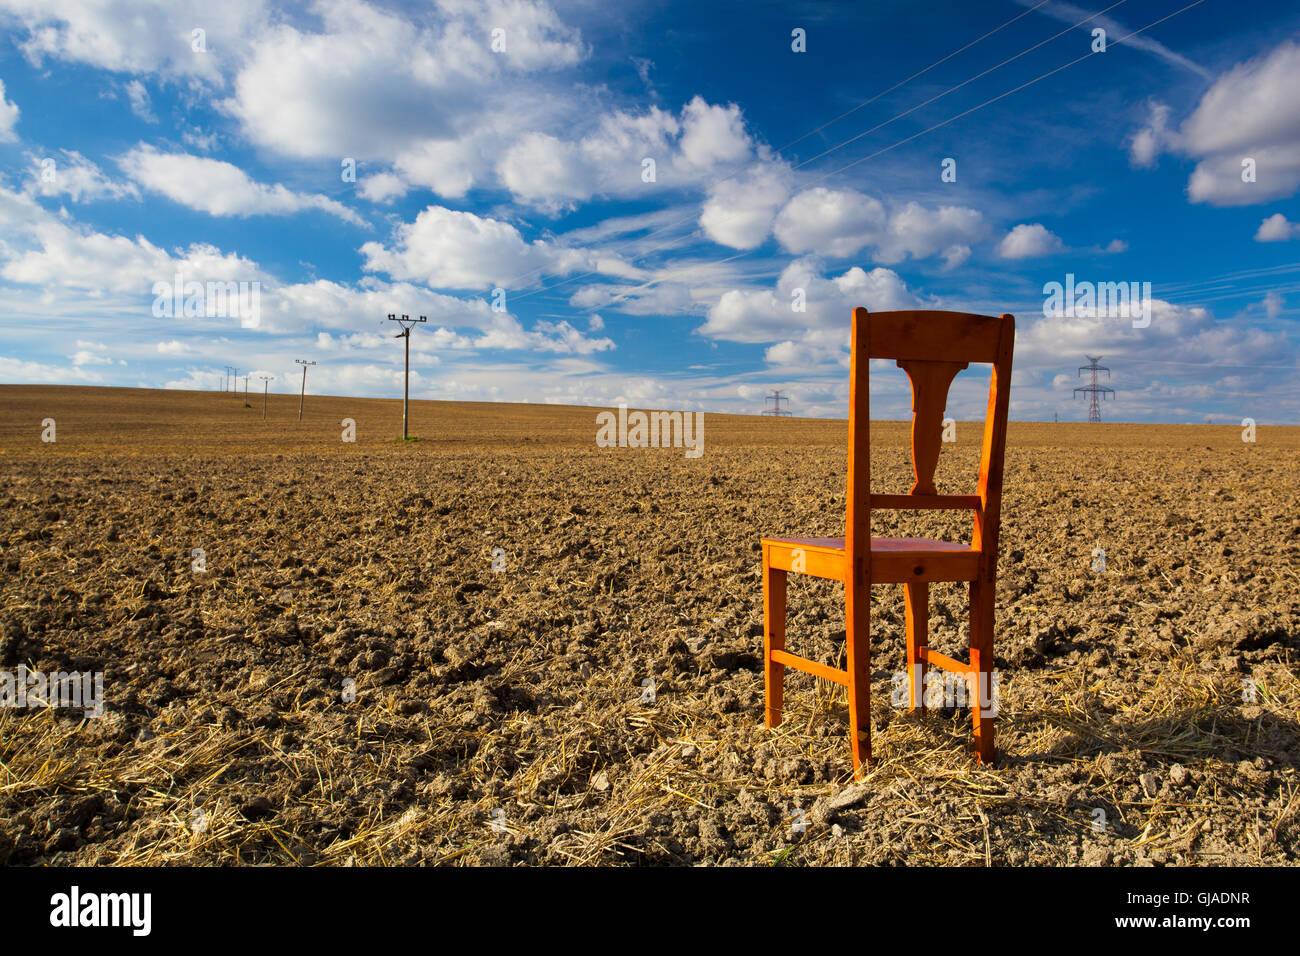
921	232
8	117
1276	228
1069	13
1153	138
841	222
1273	304
23	372
141	105
765	315
345	91
1029	240
91	353
220	188
459	250
82	272
830	222
686	150
382	187
1177	334
73	175
739	212
136	36
1249	113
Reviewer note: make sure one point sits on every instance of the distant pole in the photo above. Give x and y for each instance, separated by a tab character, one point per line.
225	384
406	322
265	379
304	363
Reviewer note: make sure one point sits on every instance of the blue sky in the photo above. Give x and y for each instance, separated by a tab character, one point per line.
504	145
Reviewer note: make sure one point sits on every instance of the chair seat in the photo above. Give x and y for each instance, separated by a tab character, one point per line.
893	560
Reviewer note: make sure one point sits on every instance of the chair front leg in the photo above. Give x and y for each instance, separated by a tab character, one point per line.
857	606
917	610
773	639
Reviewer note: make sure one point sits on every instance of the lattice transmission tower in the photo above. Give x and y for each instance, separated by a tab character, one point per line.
1094	391
776	398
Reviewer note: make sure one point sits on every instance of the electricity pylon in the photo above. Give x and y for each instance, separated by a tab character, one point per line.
776	398
1094	391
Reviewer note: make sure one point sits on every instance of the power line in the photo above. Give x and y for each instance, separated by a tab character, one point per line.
753	165
652	282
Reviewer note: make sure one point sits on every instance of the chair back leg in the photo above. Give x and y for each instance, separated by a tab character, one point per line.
981	668
773	640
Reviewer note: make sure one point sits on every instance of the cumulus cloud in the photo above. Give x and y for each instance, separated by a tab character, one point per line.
739	212
1249	117
220	188
1029	240
84	270
830	222
842	222
805	305
459	250
382	187
614	158
1276	228
341	91
110	35
1178	334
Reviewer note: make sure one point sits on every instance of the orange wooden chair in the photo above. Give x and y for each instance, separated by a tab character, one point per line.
931	347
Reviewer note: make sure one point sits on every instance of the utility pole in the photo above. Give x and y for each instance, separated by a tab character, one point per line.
246	405
265	379
225	385
1094	391
304	363
406	322
776	398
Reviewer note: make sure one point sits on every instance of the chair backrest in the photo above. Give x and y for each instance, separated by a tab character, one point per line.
932	347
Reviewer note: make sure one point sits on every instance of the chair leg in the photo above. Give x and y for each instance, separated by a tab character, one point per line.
857	607
773	640
917	609
983	704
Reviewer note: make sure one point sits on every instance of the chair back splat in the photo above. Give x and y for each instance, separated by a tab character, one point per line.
931	347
